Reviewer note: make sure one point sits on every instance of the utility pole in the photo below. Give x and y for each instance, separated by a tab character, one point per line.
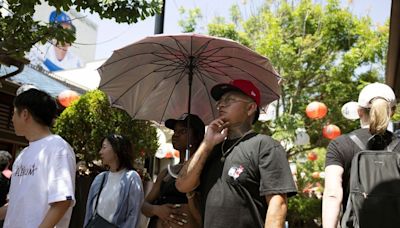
159	23
158	29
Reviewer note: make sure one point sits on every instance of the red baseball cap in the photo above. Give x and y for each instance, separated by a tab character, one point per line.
244	86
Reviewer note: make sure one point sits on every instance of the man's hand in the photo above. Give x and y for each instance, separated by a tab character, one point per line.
216	132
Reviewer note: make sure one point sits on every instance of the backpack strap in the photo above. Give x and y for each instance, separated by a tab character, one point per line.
393	144
357	141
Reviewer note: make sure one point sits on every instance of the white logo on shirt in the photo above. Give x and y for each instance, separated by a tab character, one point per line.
235	171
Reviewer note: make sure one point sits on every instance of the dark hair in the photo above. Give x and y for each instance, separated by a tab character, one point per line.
5	159
123	148
195	124
198	133
40	105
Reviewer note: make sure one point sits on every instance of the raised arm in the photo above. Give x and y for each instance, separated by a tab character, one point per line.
333	196
189	176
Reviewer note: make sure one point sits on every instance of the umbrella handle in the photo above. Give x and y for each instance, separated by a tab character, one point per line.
187	154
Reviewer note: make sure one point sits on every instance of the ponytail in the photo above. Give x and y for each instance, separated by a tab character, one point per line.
379	114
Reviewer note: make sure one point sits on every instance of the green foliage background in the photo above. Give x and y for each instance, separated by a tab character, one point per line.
88	120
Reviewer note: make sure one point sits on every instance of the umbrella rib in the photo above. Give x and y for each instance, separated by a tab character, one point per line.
240	69
133	85
165	47
218	49
181	47
174	61
224	58
201	77
129	69
172	91
159	54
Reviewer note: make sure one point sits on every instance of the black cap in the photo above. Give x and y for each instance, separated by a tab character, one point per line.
195	123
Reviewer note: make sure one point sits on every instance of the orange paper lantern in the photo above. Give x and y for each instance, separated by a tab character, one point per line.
316	110
312	156
66	97
172	154
169	154
331	131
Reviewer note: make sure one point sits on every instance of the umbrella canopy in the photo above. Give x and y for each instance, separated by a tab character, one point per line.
161	76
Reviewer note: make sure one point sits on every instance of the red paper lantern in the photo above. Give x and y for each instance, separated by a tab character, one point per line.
331	131
172	154
169	154
316	110
66	97
312	156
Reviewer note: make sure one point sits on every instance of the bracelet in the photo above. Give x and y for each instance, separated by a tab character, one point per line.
190	195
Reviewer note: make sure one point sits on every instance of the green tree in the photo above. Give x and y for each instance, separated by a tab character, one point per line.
87	121
19	31
189	23
323	53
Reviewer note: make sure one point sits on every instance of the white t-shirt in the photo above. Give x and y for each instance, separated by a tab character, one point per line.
108	201
43	173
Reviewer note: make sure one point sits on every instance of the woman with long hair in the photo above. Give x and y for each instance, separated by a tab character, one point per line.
116	195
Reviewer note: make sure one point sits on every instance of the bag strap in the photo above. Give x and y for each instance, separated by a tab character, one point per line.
98	194
362	146
357	141
393	144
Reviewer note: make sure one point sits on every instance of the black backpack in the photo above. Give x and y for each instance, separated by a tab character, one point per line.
374	197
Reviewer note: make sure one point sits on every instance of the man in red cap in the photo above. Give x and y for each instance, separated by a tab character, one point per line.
243	177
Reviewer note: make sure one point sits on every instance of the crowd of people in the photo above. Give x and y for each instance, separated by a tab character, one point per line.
234	177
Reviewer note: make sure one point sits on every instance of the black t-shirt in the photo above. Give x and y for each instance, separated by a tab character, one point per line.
341	152
234	191
169	193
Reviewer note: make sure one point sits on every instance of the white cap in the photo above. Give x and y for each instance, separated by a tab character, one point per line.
375	90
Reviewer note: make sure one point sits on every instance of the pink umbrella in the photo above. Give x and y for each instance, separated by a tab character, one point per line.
161	76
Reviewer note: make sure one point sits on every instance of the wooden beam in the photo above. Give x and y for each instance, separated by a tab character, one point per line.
393	57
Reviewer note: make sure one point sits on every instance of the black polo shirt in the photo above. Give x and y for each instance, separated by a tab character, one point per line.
233	192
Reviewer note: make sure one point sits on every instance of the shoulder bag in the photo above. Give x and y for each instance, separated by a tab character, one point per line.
97	221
